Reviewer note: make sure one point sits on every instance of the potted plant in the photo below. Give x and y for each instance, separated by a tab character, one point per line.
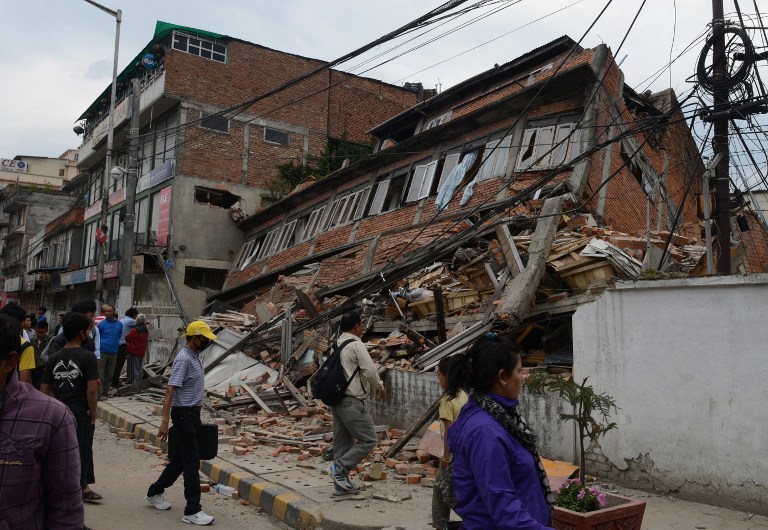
577	506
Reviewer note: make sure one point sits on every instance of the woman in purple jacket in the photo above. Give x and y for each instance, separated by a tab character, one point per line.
498	477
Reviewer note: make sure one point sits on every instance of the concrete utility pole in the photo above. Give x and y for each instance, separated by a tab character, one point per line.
720	145
105	179
125	278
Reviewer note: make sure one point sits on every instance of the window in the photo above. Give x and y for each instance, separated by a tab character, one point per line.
142	218
495	158
94	186
434	122
158	143
421	181
214	122
346	209
389	193
200	47
116	235
61	172
89	250
451	161
548	143
268	244
273	136
246	253
313	224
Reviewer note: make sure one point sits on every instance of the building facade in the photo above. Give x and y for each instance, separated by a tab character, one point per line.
205	158
558	119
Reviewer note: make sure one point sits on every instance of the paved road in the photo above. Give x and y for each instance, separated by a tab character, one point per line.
122	476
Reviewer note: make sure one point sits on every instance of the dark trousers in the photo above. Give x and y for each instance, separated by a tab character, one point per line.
85	431
186	459
122	353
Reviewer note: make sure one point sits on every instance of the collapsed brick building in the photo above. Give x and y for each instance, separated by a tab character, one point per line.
518	166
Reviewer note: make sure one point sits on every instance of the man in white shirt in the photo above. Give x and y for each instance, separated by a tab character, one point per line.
350	419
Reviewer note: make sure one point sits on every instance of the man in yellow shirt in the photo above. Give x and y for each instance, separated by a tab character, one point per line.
27	358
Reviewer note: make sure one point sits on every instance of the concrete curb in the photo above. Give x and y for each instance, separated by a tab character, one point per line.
283	503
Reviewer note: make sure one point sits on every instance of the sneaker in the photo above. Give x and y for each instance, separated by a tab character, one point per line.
158	502
200	518
338	492
340	479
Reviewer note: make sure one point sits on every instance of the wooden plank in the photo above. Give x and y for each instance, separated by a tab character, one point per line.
257	399
295	392
426	417
511	255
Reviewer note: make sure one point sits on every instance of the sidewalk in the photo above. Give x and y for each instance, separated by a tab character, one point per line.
299	492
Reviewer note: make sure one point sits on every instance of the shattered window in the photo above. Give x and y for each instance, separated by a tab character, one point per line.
549	143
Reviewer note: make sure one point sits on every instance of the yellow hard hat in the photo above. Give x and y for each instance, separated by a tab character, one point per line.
198	327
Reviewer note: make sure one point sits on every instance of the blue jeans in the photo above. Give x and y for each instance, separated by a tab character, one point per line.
186	459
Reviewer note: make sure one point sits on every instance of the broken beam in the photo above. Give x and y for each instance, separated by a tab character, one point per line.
420	422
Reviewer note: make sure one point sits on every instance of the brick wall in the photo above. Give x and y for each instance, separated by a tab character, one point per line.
351	107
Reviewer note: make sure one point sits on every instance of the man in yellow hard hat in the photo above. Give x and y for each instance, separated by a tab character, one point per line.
183	400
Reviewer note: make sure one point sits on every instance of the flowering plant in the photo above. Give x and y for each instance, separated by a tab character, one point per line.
573	495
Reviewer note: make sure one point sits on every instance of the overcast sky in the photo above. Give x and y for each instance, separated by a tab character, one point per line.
57	54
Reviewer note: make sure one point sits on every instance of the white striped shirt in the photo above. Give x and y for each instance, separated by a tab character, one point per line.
188	377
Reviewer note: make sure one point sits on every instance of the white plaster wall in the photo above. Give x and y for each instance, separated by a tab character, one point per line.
687	362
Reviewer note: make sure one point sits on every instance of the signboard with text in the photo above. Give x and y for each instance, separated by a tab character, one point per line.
16	166
164	218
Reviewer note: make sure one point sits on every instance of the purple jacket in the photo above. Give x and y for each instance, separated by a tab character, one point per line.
494	476
39	462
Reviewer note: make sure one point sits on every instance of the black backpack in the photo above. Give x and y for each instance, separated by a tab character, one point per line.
330	383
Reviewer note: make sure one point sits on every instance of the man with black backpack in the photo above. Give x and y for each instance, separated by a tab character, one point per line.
350	419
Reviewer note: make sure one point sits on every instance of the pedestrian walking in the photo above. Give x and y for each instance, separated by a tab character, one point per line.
354	435
39	459
136	343
110	330
72	377
128	322
183	400
450	405
498	477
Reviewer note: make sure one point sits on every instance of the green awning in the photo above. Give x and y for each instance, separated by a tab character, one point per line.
162	31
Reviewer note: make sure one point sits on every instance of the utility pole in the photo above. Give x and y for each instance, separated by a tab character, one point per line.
711	168
105	179
125	278
720	144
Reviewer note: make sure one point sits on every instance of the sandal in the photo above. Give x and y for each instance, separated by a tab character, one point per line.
92	496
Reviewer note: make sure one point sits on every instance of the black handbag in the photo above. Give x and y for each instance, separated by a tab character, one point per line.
207	441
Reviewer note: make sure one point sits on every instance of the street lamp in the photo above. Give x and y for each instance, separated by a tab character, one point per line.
108	162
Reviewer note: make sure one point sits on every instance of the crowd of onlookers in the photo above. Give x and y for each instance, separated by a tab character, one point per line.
47	426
